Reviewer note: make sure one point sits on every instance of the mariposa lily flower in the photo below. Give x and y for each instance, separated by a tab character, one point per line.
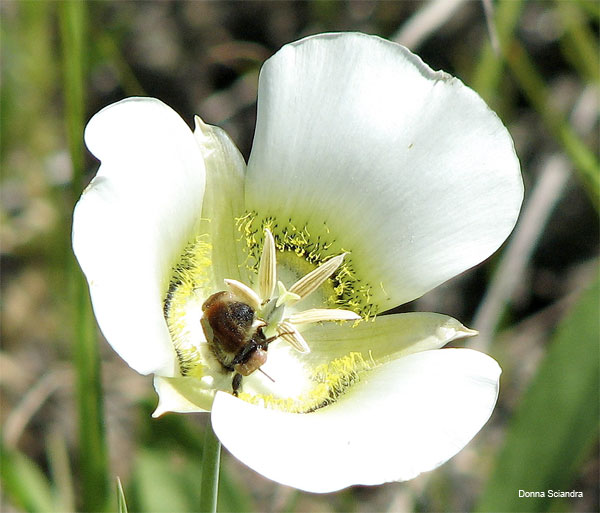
372	179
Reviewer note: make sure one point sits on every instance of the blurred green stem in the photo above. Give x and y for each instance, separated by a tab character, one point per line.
109	50
211	459
92	446
579	44
72	17
532	84
488	72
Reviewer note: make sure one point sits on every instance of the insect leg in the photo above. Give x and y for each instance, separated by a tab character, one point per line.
236	383
266	342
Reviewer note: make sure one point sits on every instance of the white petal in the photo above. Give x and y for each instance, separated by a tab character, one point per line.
133	221
408	417
407	169
389	337
336	351
182	395
223	201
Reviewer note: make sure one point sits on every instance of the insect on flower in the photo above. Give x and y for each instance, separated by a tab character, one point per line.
234	331
235	335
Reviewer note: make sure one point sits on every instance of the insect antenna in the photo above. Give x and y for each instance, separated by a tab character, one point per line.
260	370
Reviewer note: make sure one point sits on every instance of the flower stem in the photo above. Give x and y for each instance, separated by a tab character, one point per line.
211	459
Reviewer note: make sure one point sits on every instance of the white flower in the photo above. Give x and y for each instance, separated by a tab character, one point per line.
360	150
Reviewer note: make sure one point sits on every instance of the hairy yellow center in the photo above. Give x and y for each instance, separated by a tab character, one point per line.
296	385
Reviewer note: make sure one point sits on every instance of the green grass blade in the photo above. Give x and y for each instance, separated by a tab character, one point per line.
109	49
556	424
92	456
534	88
24	483
121	502
60	470
72	29
580	46
488	74
489	68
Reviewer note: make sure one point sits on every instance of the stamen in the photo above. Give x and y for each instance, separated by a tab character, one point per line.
313	280
244	292
267	271
292	336
322	315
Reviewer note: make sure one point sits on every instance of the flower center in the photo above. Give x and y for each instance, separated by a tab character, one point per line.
226	335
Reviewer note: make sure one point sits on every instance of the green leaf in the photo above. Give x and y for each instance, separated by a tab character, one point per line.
160	482
24	483
121	502
556	424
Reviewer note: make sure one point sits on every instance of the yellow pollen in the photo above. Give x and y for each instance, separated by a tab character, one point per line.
190	279
330	382
346	289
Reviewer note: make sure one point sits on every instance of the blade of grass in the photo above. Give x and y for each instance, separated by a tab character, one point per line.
556	424
72	19
579	44
489	72
92	448
109	49
24	483
60	469
121	502
534	88
489	68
